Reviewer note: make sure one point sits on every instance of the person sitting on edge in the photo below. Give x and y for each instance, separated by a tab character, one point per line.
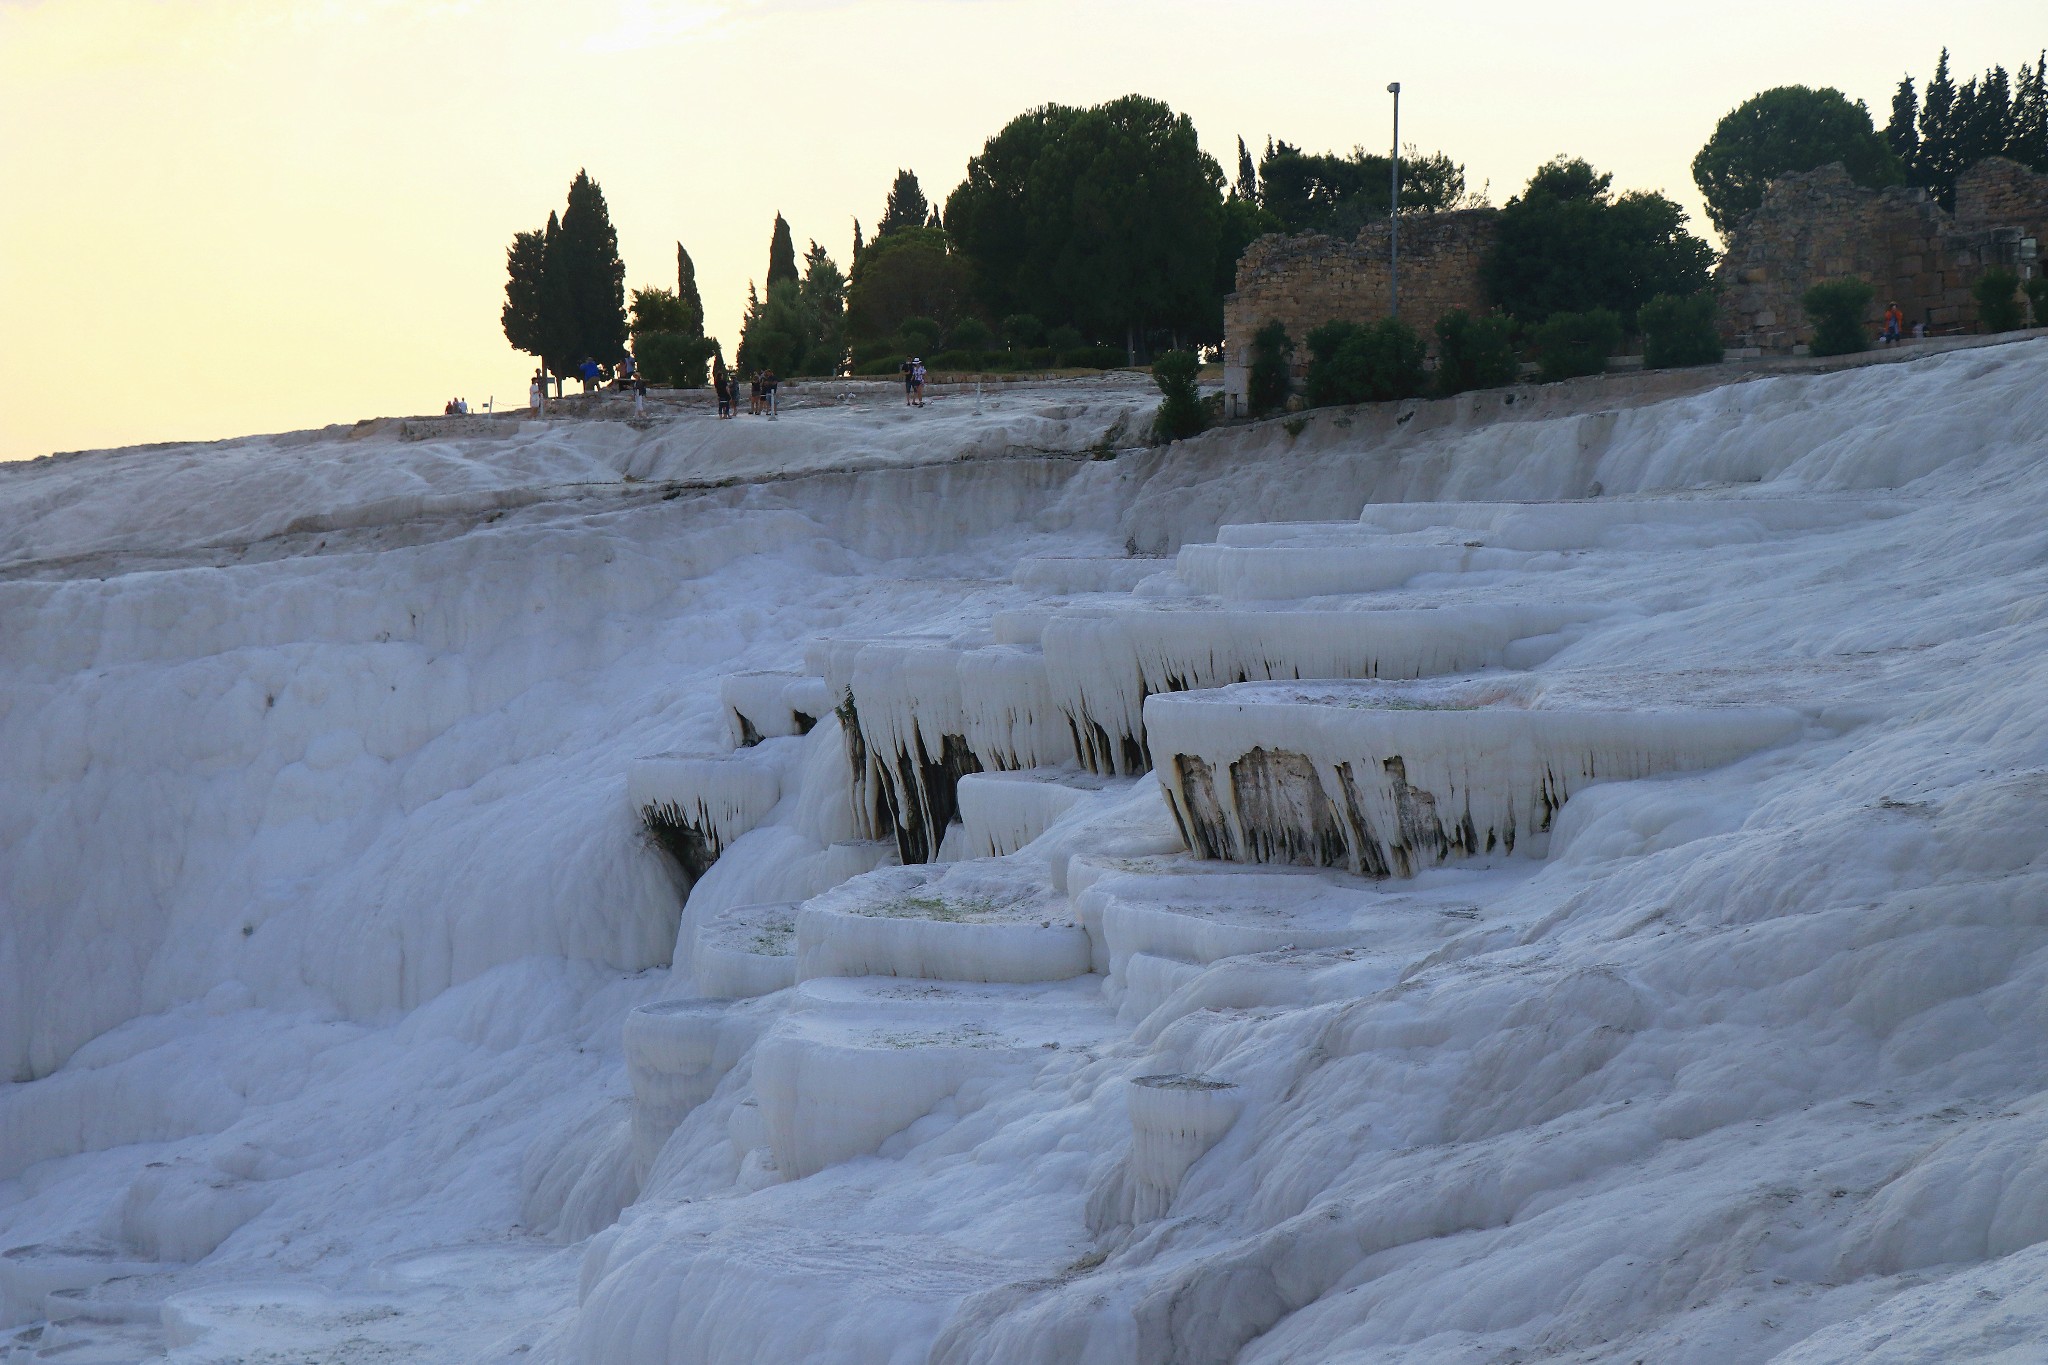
1894	321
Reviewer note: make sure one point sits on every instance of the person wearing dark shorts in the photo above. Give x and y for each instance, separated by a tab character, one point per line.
909	385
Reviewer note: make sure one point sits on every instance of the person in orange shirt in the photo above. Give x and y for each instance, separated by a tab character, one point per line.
1894	320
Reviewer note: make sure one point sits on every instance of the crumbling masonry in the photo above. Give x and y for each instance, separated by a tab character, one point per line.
1822	226
1813	226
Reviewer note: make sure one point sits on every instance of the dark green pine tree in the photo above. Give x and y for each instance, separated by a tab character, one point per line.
1982	116
1900	133
2027	139
781	255
584	263
1247	175
524	316
686	293
906	206
1934	167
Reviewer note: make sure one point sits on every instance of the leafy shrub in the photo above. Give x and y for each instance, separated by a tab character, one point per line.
1836	308
971	334
918	335
1572	344
1998	303
953	360
1092	358
2037	299
1567	244
1023	331
1272	368
1678	329
1351	362
869	351
1064	338
1474	353
886	364
673	358
1180	405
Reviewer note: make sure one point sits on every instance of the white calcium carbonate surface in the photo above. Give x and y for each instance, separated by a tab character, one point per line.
323	923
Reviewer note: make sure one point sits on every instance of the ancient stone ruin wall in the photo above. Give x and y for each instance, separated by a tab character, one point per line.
1307	280
1998	193
1820	225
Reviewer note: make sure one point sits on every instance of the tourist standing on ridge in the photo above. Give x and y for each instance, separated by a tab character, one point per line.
537	391
721	384
909	382
768	382
1894	321
917	378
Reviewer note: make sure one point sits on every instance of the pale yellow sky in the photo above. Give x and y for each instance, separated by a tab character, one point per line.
229	216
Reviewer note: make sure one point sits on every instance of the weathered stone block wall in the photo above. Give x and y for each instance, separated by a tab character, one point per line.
2000	193
1307	280
1820	225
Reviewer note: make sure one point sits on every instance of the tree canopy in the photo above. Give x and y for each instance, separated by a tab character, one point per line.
906	205
1953	127
1325	192
913	272
1566	244
1789	128
799	328
565	287
1107	217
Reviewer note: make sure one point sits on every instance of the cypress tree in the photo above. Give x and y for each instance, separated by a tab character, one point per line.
2027	140
558	337
1935	167
1247	175
781	254
585	261
858	245
1900	133
1978	124
687	295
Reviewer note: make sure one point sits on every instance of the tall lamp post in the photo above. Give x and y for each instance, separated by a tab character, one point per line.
1394	206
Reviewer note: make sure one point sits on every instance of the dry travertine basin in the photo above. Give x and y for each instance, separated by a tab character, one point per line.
1386	779
1103	663
697	804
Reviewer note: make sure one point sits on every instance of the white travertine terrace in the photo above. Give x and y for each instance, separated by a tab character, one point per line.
1387	779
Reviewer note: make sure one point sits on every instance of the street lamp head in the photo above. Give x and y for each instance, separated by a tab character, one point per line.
1394	88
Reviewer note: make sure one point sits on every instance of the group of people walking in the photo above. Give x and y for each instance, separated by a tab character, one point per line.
762	387
761	399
